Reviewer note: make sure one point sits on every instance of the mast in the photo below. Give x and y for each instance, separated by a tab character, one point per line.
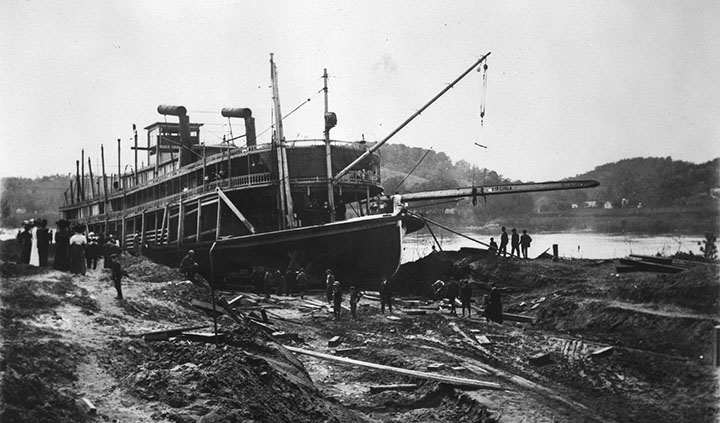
328	150
104	176
286	203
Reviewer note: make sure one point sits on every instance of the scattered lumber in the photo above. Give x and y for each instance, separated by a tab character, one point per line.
452	380
161	335
483	340
602	352
650	266
87	406
343	351
206	337
286	335
391	317
399	387
206	307
518	318
435	367
414	312
335	341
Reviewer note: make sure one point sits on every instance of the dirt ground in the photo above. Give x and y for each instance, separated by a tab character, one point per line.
66	338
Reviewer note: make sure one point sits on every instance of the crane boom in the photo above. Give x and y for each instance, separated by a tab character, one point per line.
497	190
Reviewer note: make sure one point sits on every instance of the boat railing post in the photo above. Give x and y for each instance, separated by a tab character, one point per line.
212	288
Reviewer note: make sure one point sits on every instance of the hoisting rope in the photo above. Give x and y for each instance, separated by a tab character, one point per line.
413	170
484	92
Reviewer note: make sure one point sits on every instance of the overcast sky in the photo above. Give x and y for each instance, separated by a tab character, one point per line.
571	85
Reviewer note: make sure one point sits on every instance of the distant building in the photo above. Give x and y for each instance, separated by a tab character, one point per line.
607	205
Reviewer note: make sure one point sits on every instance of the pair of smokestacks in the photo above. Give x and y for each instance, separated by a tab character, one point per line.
181	113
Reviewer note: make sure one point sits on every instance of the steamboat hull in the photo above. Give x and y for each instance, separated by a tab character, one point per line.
360	251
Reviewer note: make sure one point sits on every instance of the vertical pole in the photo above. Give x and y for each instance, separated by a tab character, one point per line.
328	152
199	221
77	179
105	187
120	184
92	180
555	252
716	346
136	153
82	173
217	220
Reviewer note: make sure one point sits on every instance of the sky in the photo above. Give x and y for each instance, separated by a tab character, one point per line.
570	85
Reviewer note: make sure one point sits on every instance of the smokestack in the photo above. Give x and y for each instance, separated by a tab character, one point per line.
186	143
246	114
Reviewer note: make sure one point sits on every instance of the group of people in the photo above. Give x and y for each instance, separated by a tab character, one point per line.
463	291
34	242
269	281
519	244
75	252
334	294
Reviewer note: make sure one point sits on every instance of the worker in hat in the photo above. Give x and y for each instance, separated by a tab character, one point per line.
188	266
117	274
337	299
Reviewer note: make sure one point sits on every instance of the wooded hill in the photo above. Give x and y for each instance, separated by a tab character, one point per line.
652	182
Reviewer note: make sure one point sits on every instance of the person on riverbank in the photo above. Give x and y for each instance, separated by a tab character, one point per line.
355	296
525	241
301	280
502	250
62	246
385	295
117	274
329	284
452	294
466	297
188	266
337	299
93	251
24	239
493	310
515	243
109	248
34	254
78	243
43	242
493	247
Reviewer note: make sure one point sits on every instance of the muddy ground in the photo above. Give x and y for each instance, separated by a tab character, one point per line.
66	338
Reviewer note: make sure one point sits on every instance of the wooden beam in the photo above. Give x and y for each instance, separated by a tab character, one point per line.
235	210
452	380
400	387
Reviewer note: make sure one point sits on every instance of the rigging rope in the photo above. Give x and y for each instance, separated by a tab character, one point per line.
413	170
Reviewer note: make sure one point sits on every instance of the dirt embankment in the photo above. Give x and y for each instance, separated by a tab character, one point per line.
66	337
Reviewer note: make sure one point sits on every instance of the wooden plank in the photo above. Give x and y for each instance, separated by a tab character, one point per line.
399	387
167	333
518	318
335	341
206	337
651	267
452	380
602	352
87	406
414	312
342	351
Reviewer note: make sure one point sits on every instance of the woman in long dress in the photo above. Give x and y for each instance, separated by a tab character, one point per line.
34	254
78	242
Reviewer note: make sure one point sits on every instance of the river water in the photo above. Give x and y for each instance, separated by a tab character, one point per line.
585	245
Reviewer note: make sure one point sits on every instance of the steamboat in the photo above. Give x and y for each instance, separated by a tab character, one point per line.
285	204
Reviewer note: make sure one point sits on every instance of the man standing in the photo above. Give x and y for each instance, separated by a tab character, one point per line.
354	300
465	296
385	295
117	274
502	251
452	293
188	267
515	243
337	299
137	244
301	280
329	283
493	247
62	246
525	241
